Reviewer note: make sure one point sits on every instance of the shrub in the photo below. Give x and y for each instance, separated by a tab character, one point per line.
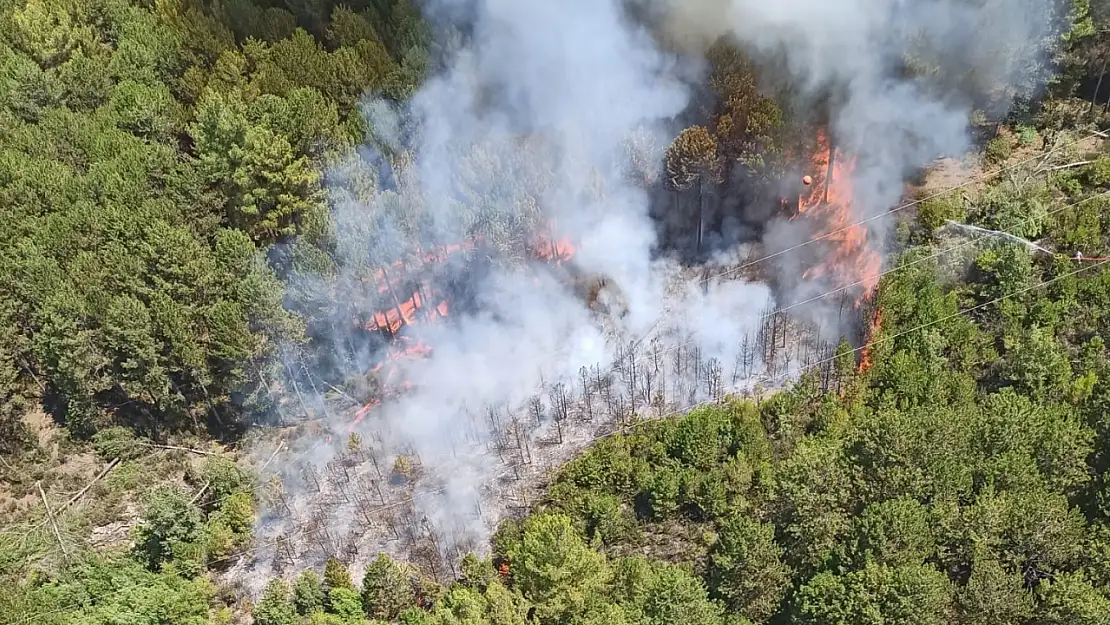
998	150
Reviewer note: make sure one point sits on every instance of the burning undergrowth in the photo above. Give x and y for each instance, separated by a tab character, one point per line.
495	296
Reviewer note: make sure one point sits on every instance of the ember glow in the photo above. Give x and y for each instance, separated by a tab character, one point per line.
873	326
851	259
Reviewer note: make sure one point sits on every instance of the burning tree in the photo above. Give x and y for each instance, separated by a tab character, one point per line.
852	259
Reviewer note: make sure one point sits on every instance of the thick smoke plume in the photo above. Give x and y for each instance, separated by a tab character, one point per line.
550	119
895	80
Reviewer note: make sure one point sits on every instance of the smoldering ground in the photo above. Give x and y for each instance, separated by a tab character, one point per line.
549	118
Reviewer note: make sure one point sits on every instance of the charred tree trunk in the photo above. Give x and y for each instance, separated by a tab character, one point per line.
585	375
1098	85
559	407
396	301
829	170
535	409
701	212
632	377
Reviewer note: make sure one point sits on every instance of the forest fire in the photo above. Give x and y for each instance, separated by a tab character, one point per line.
852	262
873	326
422	303
828	198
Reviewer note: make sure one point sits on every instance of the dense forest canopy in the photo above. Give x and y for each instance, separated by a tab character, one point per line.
177	185
150	153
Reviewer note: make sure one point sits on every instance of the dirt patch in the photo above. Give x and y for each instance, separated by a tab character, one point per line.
45	431
970	175
117	533
950	173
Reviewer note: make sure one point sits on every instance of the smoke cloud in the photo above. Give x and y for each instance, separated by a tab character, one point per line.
897	81
547	118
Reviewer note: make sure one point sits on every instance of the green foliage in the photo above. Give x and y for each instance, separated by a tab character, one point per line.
346	604
116	442
746	569
110	588
268	189
1027	135
229	527
276	605
494	605
936	211
144	111
662	595
308	593
994	596
876	594
895	532
386	589
149	151
999	149
170	530
477	572
554	568
336	575
1071	599
224	478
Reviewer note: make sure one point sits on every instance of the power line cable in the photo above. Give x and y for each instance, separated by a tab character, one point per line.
1099	261
974	180
869	344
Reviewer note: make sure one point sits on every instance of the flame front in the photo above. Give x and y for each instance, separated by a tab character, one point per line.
852	262
873	326
418	302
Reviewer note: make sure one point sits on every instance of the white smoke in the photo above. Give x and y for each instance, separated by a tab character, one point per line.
531	120
896	81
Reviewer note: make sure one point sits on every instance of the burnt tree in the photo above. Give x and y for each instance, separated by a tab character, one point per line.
559	409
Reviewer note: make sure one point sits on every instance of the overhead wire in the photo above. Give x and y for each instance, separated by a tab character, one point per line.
1093	262
967	183
878	276
869	344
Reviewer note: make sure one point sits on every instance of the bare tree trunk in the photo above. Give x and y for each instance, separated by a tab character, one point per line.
585	375
1098	85
559	407
632	378
296	389
701	213
396	300
829	171
53	523
535	409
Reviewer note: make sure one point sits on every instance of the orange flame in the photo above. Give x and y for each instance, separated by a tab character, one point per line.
552	250
829	199
415	308
872	329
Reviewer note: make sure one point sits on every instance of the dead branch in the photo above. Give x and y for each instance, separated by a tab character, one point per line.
53	523
1067	166
191	450
81	493
203	489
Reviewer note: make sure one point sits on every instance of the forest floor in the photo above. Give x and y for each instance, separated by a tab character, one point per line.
972	173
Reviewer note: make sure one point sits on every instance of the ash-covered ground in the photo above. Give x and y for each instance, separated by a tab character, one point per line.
353	492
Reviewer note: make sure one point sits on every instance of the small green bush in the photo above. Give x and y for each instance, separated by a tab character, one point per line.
116	442
998	150
1027	135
